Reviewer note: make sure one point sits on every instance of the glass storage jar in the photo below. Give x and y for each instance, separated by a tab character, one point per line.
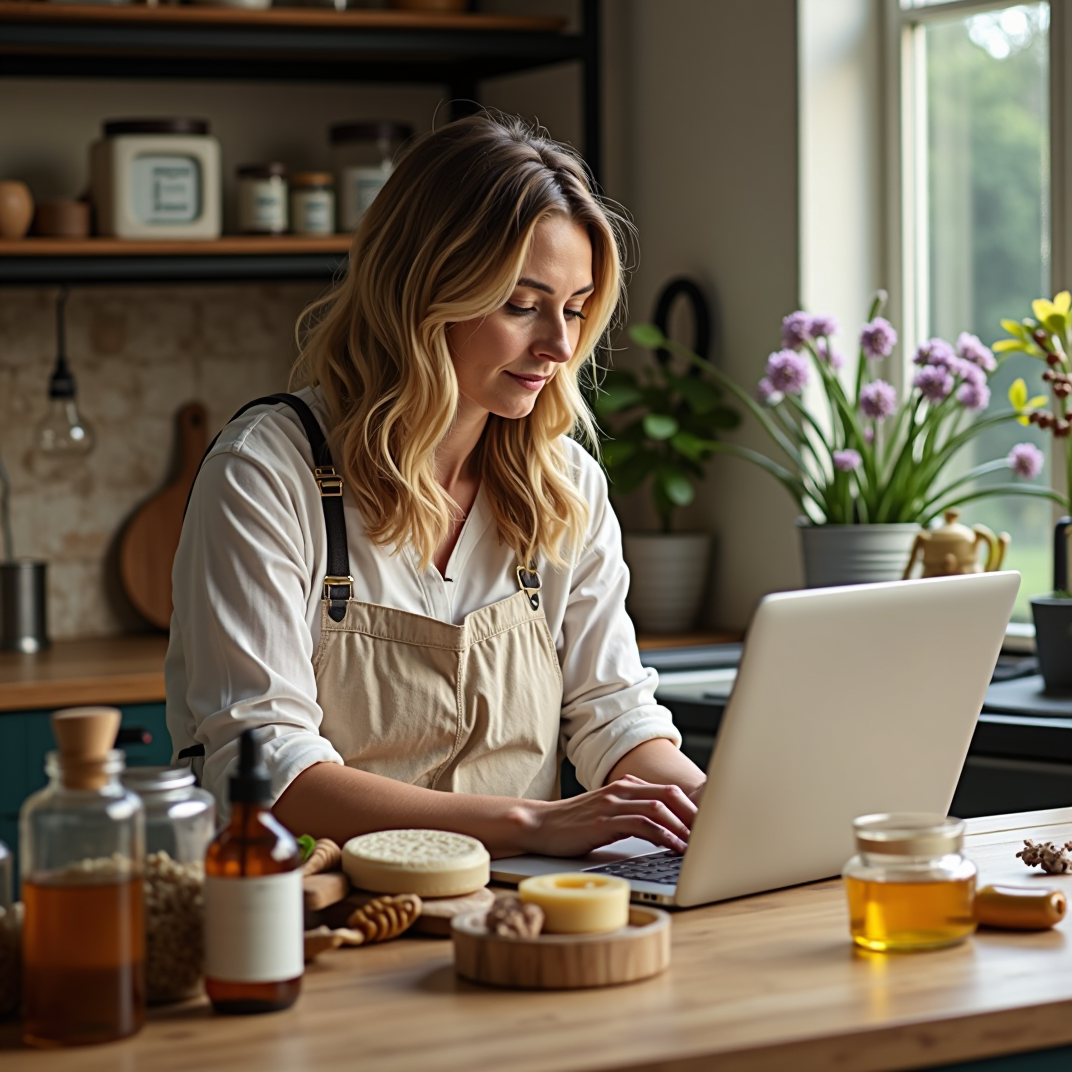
180	823
82	842
312	203
363	155
262	199
909	887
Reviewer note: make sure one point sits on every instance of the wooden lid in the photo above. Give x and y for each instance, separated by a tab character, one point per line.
85	736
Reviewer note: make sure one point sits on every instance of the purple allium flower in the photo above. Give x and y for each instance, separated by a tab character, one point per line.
878	338
822	325
869	436
847	461
975	396
787	371
971	349
828	354
795	330
878	400
935	352
766	393
1025	459
968	372
934	383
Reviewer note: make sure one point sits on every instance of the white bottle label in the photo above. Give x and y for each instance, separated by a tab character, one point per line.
254	930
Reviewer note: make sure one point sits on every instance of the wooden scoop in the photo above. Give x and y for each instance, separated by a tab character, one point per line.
85	736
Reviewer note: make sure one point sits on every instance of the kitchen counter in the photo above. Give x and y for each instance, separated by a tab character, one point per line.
759	984
109	670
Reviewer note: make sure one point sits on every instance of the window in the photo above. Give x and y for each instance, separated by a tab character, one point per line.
975	145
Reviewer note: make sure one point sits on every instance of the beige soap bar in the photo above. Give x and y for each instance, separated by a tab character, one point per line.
577	903
429	863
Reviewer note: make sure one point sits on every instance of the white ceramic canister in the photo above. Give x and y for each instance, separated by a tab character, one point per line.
312	203
156	178
262	199
363	155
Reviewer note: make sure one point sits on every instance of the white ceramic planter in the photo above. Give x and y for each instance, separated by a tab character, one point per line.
668	579
854	554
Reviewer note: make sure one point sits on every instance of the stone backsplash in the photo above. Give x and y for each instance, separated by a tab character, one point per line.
138	353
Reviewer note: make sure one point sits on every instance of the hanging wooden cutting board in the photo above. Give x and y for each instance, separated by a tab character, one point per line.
151	537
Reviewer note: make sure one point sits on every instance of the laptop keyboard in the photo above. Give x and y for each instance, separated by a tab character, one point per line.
662	867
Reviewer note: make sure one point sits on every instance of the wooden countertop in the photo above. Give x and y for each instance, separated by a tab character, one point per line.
112	670
756	985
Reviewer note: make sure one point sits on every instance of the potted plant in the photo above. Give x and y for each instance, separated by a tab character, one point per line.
865	469
1046	336
659	427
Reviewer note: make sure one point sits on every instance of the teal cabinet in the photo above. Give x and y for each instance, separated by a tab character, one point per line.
25	738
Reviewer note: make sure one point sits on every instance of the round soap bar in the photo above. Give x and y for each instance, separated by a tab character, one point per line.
574	902
429	863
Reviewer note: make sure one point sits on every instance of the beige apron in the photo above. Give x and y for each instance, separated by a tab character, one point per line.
470	708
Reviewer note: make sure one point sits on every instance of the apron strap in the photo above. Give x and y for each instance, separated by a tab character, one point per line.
338	584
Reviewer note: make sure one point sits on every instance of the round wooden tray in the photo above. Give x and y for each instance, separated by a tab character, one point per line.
563	961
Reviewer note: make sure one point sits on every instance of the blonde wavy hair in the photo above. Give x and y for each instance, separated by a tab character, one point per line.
445	241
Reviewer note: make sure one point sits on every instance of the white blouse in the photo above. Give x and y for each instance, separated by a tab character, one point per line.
247	586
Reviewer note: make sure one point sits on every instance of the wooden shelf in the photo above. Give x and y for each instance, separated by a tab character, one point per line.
63	40
111	670
116	260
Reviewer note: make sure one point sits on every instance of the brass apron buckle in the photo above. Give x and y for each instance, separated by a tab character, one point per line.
528	581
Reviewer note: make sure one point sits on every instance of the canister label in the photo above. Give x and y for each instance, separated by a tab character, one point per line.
254	928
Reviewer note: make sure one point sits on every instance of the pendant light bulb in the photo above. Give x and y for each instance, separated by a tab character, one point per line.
63	431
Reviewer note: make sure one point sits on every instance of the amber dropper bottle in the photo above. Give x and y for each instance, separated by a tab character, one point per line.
253	900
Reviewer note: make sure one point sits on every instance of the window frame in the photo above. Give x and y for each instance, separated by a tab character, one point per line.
904	121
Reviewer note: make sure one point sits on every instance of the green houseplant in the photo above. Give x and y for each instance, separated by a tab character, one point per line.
658	426
1047	336
865	469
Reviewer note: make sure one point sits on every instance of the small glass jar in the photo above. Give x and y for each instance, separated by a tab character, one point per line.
363	155
180	823
82	846
262	199
312	203
909	887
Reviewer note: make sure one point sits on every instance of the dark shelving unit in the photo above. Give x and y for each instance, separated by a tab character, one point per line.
44	40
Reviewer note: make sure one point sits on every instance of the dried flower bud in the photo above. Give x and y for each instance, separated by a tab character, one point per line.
1045	420
1048	376
1032	417
1053	359
1062	428
1040	336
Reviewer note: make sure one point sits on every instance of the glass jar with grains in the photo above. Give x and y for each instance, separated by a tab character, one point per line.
909	887
180	822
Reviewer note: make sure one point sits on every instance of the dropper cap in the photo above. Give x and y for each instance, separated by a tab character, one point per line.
252	784
85	737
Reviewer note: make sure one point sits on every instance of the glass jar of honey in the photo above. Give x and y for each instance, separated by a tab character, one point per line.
83	849
909	887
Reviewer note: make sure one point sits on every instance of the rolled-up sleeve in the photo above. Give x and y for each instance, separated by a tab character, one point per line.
608	701
241	624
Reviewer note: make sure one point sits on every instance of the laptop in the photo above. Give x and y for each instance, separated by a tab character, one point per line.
848	701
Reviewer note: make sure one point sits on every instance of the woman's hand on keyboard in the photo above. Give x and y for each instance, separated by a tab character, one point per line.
627	807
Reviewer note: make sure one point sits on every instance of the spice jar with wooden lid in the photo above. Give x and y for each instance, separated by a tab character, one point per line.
909	887
82	852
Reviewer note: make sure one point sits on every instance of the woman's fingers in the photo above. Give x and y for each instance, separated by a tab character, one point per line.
620	826
654	810
671	796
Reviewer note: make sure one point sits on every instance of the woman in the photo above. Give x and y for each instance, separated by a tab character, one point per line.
473	616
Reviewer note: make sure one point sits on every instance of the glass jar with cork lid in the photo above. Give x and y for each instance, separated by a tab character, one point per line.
82	839
909	887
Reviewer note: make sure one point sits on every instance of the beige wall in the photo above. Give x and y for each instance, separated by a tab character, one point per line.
710	118
700	143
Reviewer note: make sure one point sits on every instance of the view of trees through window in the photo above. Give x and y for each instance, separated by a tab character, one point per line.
988	225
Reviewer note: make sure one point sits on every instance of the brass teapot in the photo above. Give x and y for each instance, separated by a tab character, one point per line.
954	548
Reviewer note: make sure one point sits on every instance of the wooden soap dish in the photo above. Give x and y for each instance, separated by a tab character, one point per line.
563	961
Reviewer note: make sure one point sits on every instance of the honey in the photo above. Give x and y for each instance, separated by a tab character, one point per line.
909	887
899	916
83	961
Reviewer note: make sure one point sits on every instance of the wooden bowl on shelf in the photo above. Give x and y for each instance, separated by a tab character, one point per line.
563	961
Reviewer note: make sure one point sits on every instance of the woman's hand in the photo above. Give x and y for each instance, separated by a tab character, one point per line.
626	807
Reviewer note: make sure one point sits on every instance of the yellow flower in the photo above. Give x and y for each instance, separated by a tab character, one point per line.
1053	314
1021	403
